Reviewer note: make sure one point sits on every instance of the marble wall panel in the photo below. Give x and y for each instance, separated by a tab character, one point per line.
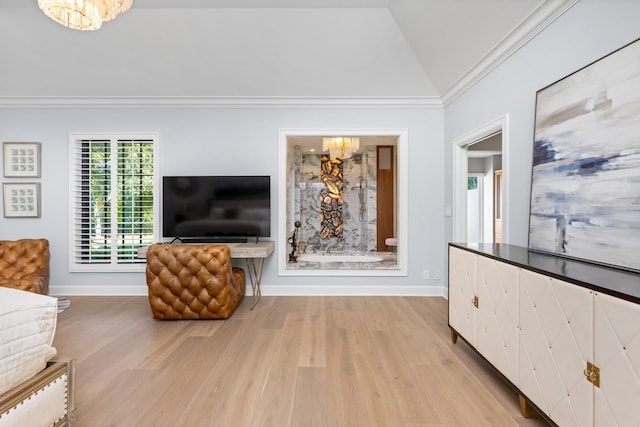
359	221
371	199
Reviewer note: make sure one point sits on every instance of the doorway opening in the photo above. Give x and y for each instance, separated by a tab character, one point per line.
385	196
483	153
484	221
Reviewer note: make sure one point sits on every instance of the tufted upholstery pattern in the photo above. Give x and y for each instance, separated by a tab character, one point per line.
497	319
193	281
556	341
24	264
462	288
617	354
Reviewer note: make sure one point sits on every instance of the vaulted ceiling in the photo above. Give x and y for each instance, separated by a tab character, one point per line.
427	49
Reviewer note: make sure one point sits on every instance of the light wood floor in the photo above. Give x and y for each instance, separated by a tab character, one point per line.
293	361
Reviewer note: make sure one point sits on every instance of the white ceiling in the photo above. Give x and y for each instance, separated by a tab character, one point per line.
269	48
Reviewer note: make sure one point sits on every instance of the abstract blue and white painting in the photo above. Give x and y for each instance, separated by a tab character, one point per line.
585	188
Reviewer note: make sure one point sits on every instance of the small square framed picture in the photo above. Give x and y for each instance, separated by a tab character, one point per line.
21	159
21	200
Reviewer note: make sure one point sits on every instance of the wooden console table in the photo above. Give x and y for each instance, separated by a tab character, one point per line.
253	253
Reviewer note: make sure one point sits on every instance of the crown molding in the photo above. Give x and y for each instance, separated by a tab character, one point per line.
533	24
219	102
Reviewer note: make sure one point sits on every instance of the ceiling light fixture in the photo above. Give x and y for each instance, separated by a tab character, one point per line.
339	147
83	14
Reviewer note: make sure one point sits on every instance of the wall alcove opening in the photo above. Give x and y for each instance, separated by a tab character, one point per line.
352	212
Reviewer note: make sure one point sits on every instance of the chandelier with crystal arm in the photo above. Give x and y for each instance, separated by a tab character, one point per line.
83	14
340	147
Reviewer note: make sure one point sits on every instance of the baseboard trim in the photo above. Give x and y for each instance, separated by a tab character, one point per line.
324	290
270	290
83	290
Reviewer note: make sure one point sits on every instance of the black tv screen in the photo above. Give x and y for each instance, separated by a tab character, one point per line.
215	208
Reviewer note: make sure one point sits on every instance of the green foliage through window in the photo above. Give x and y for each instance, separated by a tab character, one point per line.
472	183
114	200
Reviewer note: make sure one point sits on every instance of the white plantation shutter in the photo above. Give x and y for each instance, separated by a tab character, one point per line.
113	194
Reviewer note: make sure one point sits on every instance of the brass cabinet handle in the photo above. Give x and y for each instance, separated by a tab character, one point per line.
592	373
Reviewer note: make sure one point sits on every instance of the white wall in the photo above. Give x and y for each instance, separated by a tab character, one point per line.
585	33
200	52
476	165
207	140
231	141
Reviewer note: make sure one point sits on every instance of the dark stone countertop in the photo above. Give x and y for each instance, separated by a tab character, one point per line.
608	280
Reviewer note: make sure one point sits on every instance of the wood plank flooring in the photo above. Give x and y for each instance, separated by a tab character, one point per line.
293	361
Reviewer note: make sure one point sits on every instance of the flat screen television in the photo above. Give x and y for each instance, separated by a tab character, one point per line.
216	208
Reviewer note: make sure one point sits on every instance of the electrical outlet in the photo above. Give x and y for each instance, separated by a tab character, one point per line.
437	275
425	274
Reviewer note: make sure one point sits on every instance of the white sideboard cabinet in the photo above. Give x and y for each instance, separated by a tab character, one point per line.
564	333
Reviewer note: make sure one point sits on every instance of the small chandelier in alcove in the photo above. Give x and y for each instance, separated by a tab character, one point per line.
340	147
83	14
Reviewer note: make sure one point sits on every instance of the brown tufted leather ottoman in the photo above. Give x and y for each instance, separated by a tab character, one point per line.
193	281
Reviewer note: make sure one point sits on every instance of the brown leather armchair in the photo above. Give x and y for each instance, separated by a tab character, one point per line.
24	264
193	281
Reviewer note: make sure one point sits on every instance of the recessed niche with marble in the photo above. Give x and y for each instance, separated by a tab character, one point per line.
337	202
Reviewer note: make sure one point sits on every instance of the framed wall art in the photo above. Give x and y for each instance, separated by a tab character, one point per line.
21	159
21	200
585	186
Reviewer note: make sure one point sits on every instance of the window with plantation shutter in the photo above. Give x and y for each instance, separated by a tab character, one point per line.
113	200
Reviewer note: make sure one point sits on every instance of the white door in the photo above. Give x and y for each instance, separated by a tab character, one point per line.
497	209
474	208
